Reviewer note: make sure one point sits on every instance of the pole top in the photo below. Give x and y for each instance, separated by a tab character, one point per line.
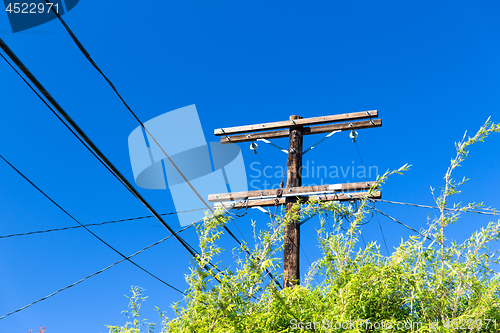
295	117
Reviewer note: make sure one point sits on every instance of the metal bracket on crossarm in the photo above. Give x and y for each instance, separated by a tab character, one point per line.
275	146
320	141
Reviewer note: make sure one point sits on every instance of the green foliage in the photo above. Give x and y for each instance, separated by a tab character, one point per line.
428	284
133	314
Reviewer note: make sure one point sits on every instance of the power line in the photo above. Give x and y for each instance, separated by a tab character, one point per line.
309	261
359	153
87	142
94	224
429	238
74	219
363	239
243	236
379	224
435	207
98	272
383	236
261	163
89	58
406	226
97	153
57	115
328	222
102	158
411	204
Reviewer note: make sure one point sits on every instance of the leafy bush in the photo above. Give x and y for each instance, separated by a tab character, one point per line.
427	284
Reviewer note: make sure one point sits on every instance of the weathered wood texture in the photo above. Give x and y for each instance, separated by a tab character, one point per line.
281	201
297	122
306	131
292	190
291	249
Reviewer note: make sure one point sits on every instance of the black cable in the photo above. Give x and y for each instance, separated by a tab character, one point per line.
89	58
369	220
90	144
57	115
261	163
359	154
328	221
427	237
361	162
46	94
98	272
382	231
74	219
363	239
243	236
309	261
94	224
494	213
103	159
406	226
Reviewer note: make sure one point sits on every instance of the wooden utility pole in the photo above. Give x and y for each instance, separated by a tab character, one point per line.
295	129
291	249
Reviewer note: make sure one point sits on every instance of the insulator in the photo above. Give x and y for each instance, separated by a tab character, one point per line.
254	146
353	135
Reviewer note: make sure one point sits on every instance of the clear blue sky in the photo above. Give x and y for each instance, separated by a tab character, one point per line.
431	68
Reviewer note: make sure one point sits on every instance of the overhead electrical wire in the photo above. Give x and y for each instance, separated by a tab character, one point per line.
309	261
98	272
229	213
363	239
383	236
103	159
354	135
97	152
93	224
427	237
415	205
359	153
89	58
253	147
328	222
90	231
399	222
494	213
57	115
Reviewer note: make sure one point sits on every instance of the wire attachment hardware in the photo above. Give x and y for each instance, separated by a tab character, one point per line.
353	135
227	138
369	115
253	147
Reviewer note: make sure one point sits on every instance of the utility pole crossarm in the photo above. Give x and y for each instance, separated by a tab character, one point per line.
281	201
305	131
292	191
297	122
